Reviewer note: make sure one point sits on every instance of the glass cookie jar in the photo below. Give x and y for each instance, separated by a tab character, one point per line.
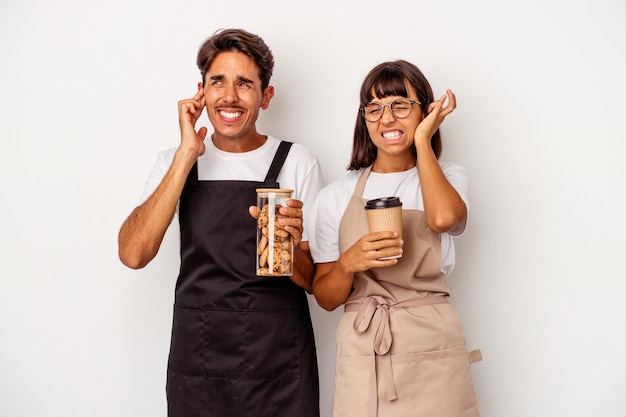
274	244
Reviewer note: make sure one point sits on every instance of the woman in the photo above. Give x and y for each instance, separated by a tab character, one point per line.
400	346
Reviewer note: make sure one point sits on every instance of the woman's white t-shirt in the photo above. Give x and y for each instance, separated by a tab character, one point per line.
332	201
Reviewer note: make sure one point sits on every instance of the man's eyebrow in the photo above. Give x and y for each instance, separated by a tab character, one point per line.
245	80
241	78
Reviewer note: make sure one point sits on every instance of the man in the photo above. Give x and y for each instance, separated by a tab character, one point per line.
242	344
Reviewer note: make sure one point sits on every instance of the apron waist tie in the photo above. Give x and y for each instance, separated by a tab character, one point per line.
374	311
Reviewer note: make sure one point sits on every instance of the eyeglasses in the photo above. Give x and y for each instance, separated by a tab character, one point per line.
400	109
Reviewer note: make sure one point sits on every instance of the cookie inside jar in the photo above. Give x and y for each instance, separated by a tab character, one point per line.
274	255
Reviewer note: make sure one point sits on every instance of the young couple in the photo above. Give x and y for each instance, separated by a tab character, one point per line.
243	345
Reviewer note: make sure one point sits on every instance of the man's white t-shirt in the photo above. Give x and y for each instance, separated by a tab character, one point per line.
301	171
323	220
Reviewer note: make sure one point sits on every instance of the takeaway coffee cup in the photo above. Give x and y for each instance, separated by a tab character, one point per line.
274	255
385	214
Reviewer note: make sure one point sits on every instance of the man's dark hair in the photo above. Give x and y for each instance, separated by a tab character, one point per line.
239	40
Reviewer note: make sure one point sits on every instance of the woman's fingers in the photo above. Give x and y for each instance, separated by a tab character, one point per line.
438	109
449	108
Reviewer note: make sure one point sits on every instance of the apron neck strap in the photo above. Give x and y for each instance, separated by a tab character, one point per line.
360	185
192	177
272	173
279	160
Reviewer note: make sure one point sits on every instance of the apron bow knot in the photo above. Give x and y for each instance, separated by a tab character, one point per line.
374	311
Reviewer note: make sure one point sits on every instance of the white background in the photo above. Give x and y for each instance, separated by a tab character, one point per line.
88	93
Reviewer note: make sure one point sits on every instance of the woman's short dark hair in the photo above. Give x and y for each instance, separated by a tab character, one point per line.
225	40
389	79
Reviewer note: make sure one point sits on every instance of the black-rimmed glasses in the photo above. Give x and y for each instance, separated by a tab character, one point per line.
400	109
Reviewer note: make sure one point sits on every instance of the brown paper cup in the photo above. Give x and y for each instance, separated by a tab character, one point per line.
385	214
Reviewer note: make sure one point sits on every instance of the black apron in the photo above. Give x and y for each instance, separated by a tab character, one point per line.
242	345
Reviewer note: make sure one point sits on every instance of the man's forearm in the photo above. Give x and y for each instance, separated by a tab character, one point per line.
303	269
141	234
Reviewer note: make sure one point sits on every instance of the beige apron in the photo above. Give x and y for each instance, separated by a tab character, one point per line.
400	345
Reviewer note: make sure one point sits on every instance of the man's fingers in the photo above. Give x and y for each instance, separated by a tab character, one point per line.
295	203
253	210
199	95
202	132
190	106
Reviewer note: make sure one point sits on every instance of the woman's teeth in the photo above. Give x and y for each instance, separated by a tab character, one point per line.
392	135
